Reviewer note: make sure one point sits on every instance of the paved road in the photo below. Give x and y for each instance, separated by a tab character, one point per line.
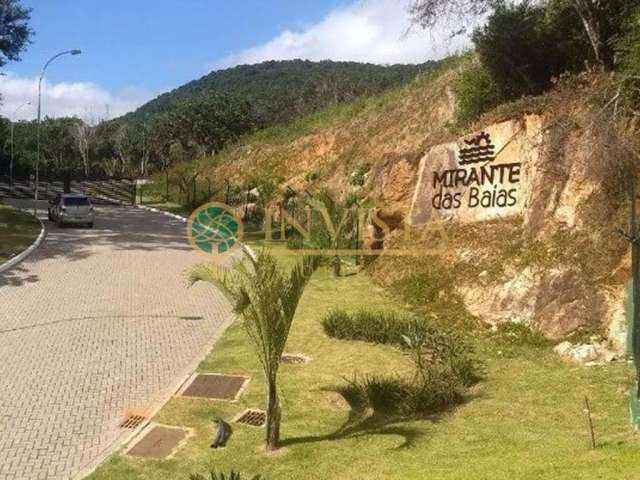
94	323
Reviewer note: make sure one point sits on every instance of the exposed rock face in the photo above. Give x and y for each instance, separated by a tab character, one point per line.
565	304
502	172
586	354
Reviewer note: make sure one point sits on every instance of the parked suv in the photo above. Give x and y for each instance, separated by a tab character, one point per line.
71	208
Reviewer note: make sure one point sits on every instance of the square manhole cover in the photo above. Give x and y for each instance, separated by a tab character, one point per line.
252	417
215	386
158	441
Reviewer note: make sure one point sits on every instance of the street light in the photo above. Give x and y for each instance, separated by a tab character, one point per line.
44	69
13	123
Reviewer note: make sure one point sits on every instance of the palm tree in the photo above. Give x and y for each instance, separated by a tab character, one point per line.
266	299
336	229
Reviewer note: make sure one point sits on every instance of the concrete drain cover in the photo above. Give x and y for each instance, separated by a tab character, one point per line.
251	417
158	441
294	359
214	386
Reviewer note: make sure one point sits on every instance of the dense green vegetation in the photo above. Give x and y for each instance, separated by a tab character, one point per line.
282	91
16	32
524	46
198	119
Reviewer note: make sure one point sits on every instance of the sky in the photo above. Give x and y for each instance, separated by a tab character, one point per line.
134	50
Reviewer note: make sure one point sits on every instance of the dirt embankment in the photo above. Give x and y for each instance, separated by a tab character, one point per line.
545	254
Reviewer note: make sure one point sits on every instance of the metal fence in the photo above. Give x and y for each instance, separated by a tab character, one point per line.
108	191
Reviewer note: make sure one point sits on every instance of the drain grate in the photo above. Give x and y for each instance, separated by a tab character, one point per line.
215	387
292	359
132	421
158	442
254	418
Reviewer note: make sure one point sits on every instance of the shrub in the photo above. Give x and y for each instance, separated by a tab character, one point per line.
431	346
375	327
523	45
359	177
628	49
311	176
397	396
476	92
516	334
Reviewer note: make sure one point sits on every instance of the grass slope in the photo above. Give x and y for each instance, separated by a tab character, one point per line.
524	421
18	230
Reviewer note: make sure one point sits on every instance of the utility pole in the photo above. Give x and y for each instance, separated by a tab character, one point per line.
44	69
633	237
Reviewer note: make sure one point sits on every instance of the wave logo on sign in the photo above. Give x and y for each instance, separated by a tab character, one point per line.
215	228
478	149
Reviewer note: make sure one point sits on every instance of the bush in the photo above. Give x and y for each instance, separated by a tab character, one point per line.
524	45
359	177
516	334
397	396
628	49
375	327
476	92
431	346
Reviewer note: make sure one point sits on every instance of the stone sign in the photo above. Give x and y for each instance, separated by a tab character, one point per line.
482	176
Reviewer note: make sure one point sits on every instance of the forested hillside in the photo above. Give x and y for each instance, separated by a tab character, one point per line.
283	90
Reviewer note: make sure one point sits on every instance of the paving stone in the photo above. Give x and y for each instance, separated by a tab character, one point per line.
93	325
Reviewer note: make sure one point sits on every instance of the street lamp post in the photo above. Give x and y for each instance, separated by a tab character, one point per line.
13	123
44	69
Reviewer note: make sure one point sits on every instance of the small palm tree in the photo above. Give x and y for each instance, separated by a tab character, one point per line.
336	228
267	300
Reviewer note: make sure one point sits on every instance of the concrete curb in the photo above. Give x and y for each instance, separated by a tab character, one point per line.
163	212
12	262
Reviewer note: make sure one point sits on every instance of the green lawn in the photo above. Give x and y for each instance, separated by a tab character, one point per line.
18	230
524	421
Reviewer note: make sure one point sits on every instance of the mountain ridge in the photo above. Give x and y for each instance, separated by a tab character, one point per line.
284	90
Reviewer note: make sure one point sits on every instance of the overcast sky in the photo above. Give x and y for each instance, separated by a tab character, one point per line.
133	51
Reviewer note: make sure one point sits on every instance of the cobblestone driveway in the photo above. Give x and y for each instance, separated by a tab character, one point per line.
94	323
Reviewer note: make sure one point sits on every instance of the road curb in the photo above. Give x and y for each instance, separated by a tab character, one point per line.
12	262
163	212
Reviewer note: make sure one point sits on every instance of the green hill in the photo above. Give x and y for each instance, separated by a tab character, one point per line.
285	90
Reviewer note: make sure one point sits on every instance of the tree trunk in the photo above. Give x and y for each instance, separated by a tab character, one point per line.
336	266
166	188
588	12
273	415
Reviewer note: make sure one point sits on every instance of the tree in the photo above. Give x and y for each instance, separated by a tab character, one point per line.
84	135
161	137
600	19
524	45
15	33
335	228
59	147
267	300
213	120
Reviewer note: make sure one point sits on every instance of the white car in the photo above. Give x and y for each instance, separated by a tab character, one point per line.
71	209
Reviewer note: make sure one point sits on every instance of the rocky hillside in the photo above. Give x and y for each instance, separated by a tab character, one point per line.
528	231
